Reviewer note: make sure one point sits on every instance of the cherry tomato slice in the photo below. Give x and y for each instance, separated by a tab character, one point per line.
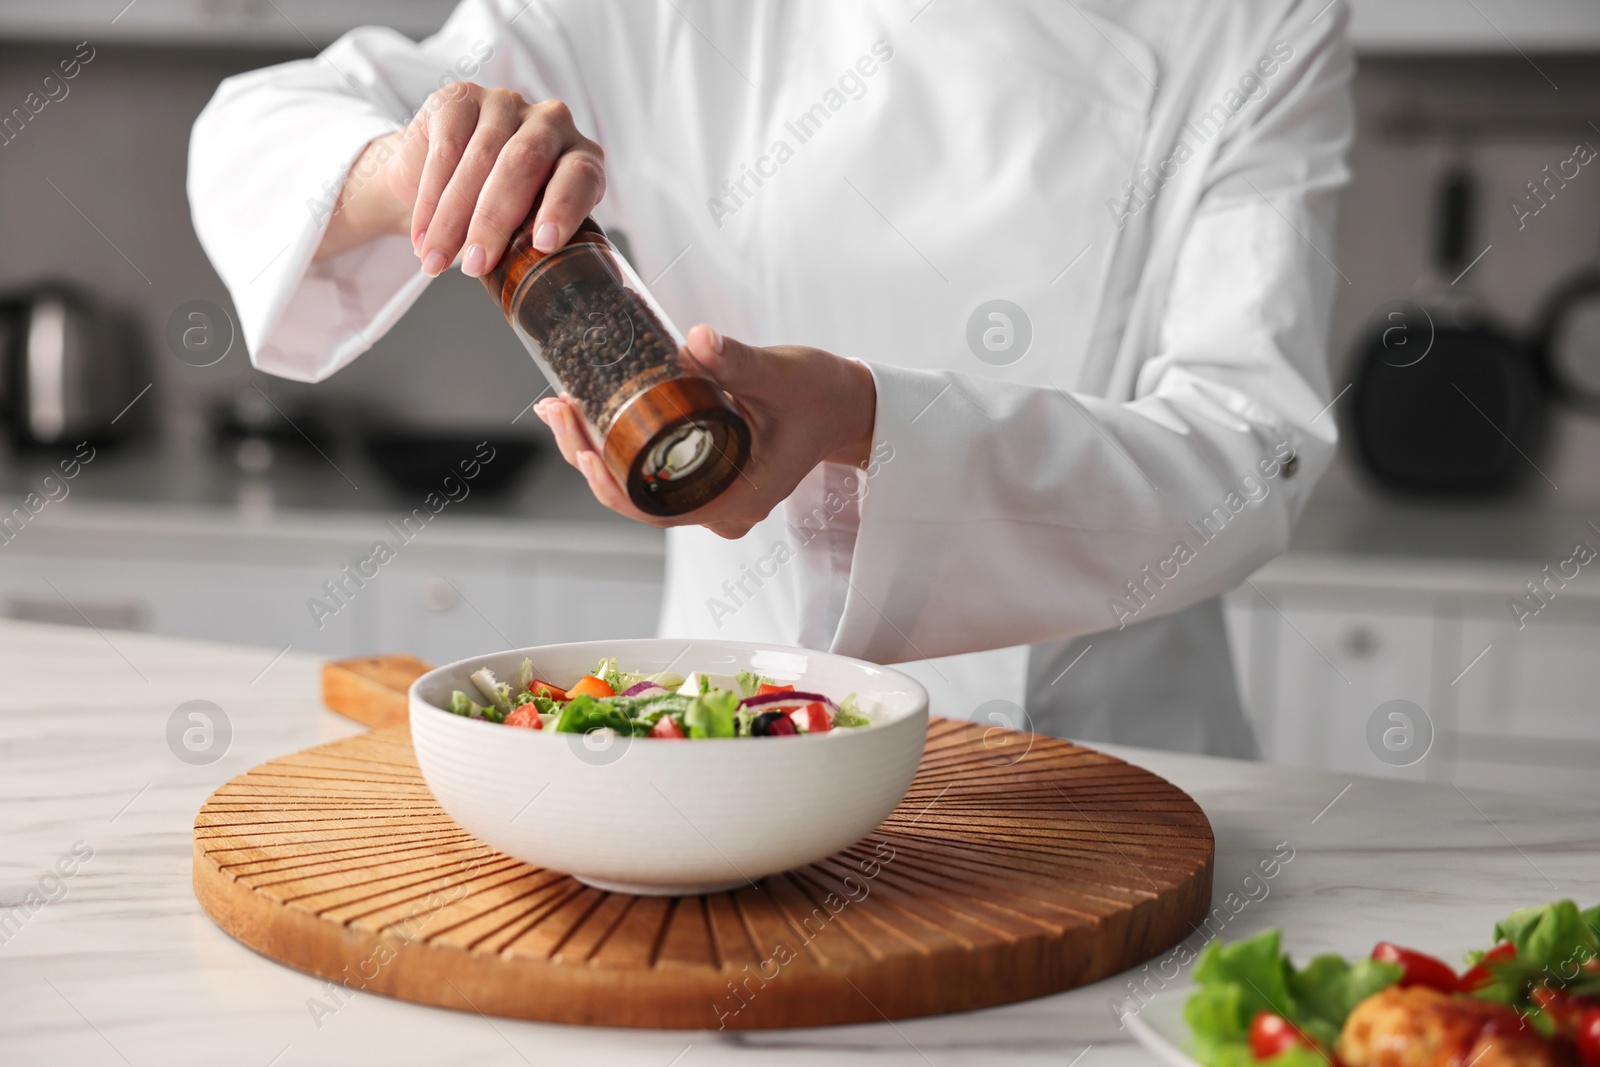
553	692
589	685
1418	968
1588	1038
1271	1034
525	716
813	718
667	727
766	688
1477	976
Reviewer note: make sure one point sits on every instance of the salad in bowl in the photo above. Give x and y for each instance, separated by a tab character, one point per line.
667	766
662	704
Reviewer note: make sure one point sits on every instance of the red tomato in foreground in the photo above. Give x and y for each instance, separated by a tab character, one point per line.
1588	1038
667	727
765	689
526	716
1272	1034
1418	968
1477	975
813	718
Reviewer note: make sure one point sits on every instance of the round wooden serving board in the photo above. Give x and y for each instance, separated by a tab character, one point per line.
996	880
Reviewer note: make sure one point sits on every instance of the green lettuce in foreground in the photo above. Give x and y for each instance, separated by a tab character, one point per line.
1554	946
1240	979
1557	935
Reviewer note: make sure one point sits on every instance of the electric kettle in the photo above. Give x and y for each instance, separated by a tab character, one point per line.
63	368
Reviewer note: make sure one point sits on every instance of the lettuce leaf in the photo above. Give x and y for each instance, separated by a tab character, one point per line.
712	714
750	683
606	670
1238	980
584	713
1330	986
461	704
849	715
1557	936
1553	942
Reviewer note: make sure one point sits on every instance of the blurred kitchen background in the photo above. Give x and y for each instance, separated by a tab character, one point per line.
233	497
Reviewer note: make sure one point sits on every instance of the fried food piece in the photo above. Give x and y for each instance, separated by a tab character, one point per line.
1421	1027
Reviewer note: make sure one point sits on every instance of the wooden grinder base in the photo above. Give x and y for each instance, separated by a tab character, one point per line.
999	878
660	410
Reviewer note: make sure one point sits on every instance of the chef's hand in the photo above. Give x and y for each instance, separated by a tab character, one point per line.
803	405
462	176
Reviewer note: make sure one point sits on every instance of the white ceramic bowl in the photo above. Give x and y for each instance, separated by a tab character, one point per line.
644	815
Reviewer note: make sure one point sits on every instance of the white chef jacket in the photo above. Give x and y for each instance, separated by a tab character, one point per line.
1151	182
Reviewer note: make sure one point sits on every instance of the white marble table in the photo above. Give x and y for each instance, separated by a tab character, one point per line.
122	967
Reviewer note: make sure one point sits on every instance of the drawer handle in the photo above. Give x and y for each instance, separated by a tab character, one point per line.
102	614
1359	642
439	595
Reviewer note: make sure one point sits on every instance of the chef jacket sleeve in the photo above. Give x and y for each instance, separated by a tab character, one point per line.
996	514
272	149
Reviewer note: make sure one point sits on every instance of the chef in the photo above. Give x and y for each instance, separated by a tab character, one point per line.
1027	302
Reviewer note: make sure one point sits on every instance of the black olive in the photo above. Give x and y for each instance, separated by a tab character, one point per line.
773	724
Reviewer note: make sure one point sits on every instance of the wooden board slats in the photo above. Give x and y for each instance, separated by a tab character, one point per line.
989	884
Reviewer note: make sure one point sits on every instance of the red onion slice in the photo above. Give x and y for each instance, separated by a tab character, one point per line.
643	689
782	701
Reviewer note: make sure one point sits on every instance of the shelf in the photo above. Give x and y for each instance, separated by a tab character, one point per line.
1475	26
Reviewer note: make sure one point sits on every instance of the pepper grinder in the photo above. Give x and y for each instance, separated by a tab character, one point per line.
673	438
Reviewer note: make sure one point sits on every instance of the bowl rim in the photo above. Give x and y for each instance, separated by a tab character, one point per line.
415	700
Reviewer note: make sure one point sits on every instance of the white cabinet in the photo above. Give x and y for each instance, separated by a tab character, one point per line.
570	599
1347	662
1508	708
308	584
445	608
1531	718
450	606
258	604
1331	664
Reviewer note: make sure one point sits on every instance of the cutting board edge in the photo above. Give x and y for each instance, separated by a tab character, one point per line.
299	939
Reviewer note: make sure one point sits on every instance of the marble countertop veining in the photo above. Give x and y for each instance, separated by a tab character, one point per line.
115	963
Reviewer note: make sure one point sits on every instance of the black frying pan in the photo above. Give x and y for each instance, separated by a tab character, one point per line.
1567	345
1451	407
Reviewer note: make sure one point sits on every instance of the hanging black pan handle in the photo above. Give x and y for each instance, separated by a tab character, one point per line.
1457	199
